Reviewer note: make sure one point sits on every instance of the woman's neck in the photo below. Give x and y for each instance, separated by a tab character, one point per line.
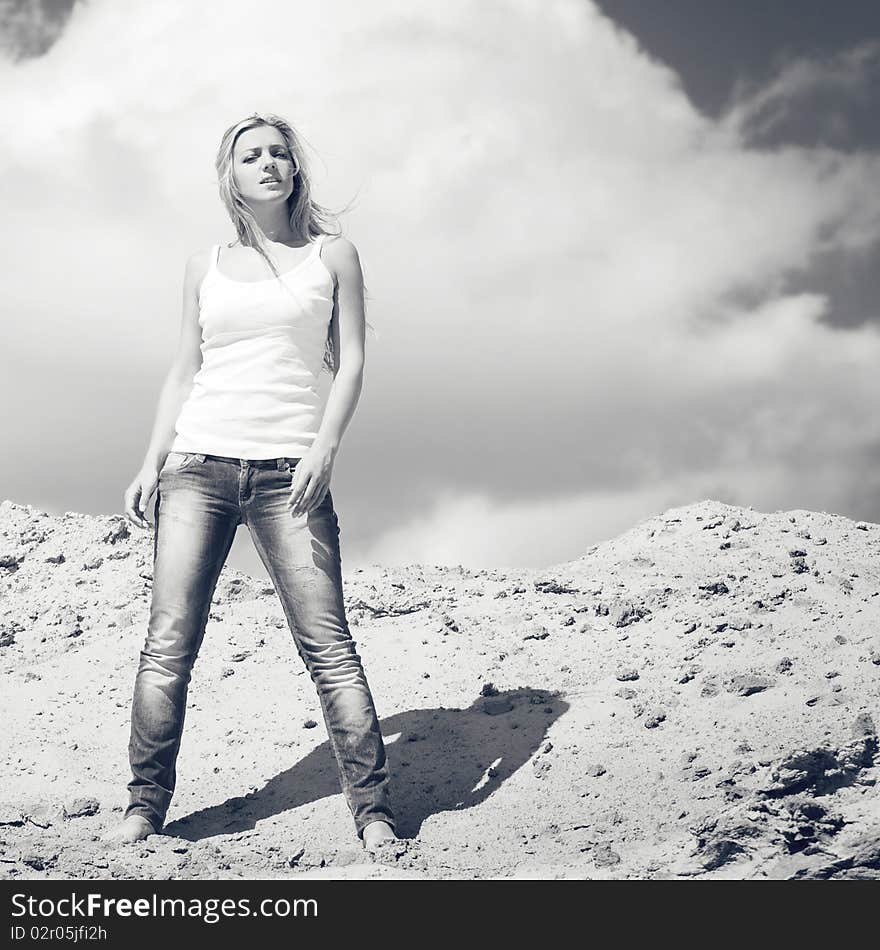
274	222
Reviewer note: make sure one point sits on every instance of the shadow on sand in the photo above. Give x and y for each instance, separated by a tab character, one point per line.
439	760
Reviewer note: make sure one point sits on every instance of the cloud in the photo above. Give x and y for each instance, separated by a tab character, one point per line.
30	27
583	286
806	86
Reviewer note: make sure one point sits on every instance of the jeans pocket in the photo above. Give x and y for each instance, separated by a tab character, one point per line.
176	461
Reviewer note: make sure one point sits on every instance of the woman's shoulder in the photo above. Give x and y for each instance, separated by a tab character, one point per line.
198	264
201	259
339	252
340	257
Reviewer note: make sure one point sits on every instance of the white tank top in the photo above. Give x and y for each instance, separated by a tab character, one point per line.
256	395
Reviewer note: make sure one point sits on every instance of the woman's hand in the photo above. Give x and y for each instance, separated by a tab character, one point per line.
311	479
138	495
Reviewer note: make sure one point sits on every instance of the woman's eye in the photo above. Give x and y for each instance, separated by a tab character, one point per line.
283	155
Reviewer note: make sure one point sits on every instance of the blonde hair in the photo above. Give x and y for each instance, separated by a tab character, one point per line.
306	216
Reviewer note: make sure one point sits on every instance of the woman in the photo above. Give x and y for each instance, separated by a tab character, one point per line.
241	435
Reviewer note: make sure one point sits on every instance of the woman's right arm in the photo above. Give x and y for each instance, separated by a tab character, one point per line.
175	389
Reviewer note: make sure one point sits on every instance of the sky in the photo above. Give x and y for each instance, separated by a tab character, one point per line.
621	256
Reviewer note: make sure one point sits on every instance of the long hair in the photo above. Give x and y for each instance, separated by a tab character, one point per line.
306	216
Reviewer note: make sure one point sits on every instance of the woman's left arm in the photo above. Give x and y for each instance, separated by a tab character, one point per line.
313	472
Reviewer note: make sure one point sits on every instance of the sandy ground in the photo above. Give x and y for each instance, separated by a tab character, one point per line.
697	698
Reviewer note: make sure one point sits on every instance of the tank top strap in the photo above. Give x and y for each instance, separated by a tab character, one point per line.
212	267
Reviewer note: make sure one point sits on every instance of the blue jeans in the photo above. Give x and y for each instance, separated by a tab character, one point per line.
200	501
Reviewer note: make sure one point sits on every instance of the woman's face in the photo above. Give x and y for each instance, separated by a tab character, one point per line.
262	165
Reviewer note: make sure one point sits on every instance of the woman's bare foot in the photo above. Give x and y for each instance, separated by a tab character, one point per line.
133	828
376	833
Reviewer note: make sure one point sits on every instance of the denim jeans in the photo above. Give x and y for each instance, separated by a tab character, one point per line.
200	500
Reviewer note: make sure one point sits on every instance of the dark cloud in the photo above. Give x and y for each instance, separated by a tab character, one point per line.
30	28
793	72
717	47
852	283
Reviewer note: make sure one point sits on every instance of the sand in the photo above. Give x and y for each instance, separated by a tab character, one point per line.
697	698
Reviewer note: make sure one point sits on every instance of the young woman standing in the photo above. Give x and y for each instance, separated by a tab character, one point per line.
242	436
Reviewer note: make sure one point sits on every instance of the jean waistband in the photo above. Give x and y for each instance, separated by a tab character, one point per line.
282	464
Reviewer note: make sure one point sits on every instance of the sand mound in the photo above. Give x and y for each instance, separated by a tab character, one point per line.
695	698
